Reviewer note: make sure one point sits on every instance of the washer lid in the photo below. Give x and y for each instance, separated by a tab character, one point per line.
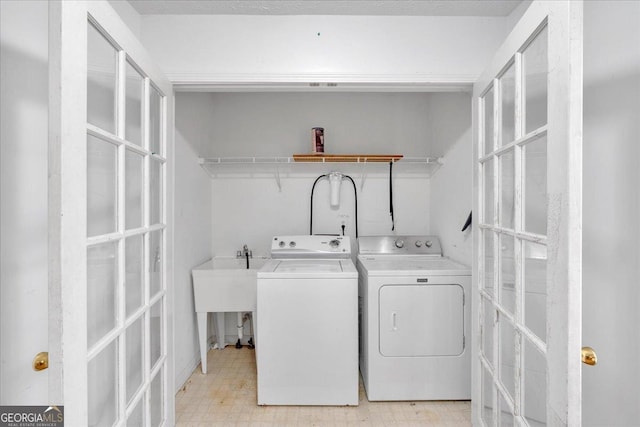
394	265
309	268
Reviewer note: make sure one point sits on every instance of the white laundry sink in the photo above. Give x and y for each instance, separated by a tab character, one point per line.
223	284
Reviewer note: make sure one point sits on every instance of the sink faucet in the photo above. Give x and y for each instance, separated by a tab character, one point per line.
244	253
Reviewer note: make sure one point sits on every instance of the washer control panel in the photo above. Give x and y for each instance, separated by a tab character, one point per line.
400	245
311	247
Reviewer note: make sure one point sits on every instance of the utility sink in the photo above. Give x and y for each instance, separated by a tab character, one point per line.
223	284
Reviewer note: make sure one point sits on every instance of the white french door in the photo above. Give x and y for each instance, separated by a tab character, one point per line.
110	314
528	183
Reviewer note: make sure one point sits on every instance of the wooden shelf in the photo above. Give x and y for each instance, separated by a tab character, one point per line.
347	158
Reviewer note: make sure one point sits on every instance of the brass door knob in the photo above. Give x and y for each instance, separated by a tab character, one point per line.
589	356
41	361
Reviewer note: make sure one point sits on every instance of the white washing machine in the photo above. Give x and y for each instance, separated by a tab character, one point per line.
307	323
415	311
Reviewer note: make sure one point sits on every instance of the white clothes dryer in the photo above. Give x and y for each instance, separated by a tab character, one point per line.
307	323
414	320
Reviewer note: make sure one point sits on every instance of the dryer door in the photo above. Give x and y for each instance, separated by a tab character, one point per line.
421	320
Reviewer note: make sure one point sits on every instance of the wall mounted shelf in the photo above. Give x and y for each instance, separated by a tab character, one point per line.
314	164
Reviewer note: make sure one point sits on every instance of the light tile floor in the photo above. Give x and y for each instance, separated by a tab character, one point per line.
226	396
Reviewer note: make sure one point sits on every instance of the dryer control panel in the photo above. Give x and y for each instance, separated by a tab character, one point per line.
400	245
306	246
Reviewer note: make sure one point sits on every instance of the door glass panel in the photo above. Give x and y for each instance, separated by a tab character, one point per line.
101	81
535	290
535	386
102	186
535	186
489	261
134	284
507	190
102	280
506	416
486	412
134	362
156	332
508	356
155	261
133	107
487	330
487	168
534	60
508	95
155	121
155	399
133	190
136	419
103	383
155	191
507	274
488	122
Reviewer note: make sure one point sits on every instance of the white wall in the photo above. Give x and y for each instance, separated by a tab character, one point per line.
23	200
611	272
128	14
192	230
451	187
264	48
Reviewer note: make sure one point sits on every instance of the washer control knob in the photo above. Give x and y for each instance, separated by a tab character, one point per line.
428	243
281	244
418	243
292	244
334	243
399	243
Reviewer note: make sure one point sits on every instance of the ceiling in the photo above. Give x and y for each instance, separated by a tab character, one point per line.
327	7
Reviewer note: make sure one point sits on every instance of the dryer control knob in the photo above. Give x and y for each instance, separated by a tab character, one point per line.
334	243
399	243
428	243
292	244
281	244
418	243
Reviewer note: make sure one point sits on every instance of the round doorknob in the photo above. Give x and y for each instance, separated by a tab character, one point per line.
588	356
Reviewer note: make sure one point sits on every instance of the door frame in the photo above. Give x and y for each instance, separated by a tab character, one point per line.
564	199
67	200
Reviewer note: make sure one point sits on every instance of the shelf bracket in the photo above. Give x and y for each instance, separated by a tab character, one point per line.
363	174
277	176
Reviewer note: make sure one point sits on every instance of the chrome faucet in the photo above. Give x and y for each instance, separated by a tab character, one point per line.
245	252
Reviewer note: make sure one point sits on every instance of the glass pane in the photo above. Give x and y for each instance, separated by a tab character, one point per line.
507	190
103	391
155	332
506	416
155	261
487	330
507	274
535	386
486	412
508	92
508	355
489	261
136	419
102	280
535	186
102	59
133	109
488	122
155	400
535	289
155	121
488	192
102	187
133	190
134	362
534	60
134	284
155	192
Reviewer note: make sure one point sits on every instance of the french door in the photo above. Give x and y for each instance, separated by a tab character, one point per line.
110	271
528	170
